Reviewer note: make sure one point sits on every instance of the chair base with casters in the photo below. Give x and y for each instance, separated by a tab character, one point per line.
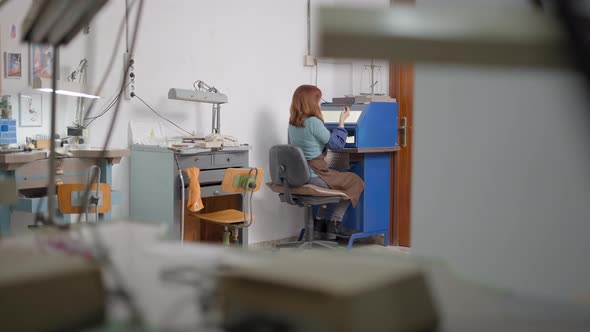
306	240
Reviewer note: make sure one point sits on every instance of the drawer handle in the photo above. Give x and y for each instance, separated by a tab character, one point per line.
228	160
196	159
217	193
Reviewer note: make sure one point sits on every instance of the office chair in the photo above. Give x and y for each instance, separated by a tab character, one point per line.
290	174
245	181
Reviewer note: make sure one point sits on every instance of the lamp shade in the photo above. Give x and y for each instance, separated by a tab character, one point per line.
197	96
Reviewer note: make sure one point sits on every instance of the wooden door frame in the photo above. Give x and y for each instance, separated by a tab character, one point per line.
401	87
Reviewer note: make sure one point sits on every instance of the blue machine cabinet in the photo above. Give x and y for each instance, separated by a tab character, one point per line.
372	137
371	125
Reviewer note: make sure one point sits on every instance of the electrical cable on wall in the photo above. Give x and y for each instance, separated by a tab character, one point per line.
127	26
111	61
109	106
309	28
133	94
316	73
181	198
317	69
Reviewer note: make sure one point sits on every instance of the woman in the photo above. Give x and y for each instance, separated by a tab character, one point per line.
307	130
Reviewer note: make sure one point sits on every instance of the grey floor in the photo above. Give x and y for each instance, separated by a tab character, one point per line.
374	244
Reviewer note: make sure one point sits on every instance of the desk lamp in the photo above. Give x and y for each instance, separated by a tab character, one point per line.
203	93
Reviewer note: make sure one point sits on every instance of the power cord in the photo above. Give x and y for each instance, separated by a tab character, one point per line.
133	94
108	107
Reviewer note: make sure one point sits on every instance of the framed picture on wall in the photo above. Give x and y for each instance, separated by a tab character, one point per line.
13	65
30	112
41	58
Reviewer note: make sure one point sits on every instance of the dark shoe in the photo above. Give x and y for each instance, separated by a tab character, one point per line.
332	230
336	229
343	231
319	229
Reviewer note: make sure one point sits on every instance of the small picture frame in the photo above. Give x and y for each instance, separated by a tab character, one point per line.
41	58
30	112
13	65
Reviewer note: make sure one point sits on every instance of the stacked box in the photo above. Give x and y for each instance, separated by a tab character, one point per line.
7	131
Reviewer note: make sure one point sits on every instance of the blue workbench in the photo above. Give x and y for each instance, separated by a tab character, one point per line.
372	138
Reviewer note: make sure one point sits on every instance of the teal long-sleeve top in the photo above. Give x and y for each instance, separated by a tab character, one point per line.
314	137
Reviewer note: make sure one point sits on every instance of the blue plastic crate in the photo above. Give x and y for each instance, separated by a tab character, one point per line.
8	129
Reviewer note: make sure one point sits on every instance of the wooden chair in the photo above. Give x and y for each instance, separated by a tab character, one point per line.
67	204
70	196
245	181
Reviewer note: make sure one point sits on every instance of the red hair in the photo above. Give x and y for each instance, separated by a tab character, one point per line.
305	103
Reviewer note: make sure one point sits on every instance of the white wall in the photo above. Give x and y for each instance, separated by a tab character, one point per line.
501	176
252	51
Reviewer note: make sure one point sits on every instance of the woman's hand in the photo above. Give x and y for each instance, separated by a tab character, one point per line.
343	116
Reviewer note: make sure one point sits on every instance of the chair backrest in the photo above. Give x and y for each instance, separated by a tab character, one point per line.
288	162
65	193
240	180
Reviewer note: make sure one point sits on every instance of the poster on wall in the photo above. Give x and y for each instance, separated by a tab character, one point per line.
12	65
13	31
41	58
30	110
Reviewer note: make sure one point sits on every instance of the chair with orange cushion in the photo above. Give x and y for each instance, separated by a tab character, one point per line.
245	181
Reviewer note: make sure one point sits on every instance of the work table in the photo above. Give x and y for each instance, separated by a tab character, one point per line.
30	171
12	160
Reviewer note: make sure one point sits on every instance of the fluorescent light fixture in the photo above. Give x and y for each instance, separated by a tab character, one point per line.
63	88
197	96
464	35
56	22
203	93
